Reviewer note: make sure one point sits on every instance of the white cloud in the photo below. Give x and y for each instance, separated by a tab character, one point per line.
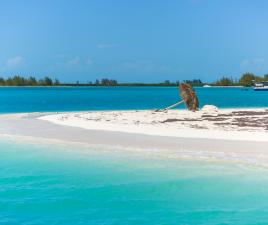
256	64
15	61
74	61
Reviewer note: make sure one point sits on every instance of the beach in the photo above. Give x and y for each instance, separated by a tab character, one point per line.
230	124
230	134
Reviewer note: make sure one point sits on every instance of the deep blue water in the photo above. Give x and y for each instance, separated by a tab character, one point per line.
61	185
39	99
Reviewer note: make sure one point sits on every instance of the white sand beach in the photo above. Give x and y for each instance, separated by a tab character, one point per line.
229	134
228	124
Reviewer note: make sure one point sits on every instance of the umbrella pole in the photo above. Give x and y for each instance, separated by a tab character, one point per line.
174	105
170	107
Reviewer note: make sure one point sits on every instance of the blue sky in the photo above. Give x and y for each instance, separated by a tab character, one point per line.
138	40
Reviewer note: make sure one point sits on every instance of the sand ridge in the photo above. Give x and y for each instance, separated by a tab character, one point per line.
233	124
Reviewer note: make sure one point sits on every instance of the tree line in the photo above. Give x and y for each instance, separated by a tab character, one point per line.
246	79
112	82
30	81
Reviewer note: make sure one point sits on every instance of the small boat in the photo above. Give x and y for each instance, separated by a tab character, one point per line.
206	86
261	86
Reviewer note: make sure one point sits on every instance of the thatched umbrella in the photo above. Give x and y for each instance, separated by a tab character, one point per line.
189	97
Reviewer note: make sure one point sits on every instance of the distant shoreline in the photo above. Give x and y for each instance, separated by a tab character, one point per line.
246	80
59	86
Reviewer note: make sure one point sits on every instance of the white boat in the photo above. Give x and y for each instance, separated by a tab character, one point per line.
261	86
206	86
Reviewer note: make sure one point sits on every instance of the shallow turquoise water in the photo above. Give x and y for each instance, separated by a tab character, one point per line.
36	99
55	184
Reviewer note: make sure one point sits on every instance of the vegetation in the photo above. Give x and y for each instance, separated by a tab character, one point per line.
31	81
246	79
195	82
225	81
107	82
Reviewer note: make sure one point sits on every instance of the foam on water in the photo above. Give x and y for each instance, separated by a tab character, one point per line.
55	184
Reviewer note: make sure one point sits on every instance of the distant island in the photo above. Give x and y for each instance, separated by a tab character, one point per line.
246	79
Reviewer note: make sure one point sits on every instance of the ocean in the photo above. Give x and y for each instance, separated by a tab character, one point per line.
44	182
58	99
58	184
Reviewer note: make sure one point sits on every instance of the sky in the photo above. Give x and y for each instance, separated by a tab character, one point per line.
133	40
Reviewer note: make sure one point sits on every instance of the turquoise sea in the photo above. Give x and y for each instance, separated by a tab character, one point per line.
40	99
58	183
48	184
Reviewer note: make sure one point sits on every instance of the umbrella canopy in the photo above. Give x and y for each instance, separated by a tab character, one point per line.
189	97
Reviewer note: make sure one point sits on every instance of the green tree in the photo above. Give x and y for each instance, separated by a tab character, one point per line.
166	82
56	82
247	79
2	81
108	82
194	82
48	81
225	81
31	81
